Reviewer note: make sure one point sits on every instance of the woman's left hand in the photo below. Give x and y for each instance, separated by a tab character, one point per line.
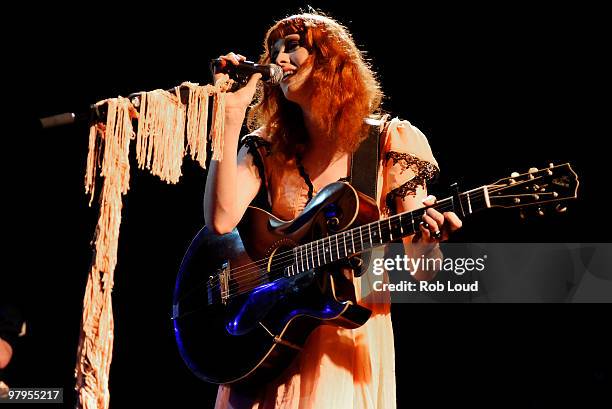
436	226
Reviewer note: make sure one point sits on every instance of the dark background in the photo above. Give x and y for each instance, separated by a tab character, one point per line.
495	90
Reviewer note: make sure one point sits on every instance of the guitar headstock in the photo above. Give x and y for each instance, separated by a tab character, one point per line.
550	185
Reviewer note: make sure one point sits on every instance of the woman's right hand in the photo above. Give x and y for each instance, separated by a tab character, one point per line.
236	103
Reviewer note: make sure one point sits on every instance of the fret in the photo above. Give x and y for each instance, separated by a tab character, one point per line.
306	251
323	246
401	225
469	202
379	233
353	241
312	254
412	219
337	248
302	258
296	259
318	258
344	240
390	229
370	233
331	252
361	237
486	196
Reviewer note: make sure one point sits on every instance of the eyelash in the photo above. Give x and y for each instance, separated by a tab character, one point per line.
290	46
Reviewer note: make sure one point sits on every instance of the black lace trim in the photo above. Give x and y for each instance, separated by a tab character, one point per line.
256	142
307	180
424	172
253	143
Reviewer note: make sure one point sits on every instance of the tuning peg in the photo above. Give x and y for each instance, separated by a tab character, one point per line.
540	212
522	214
514	175
560	209
532	170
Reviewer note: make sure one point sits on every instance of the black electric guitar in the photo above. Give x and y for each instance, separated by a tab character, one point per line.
245	302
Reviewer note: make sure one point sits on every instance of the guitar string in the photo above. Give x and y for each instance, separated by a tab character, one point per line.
254	269
281	259
317	245
262	277
240	271
285	256
254	274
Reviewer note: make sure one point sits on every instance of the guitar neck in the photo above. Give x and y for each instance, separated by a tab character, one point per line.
341	245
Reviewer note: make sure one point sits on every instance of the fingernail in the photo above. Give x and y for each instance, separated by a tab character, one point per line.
428	198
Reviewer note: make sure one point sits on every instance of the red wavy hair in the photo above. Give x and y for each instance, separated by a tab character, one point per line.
345	88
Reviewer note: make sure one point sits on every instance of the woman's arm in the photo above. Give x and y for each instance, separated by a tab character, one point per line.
424	242
231	185
232	182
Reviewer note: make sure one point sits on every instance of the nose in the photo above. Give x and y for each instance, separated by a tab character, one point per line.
281	58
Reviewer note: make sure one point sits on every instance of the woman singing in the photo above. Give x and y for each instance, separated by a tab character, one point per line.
303	134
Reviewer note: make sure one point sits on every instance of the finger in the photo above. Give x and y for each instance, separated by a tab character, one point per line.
454	222
219	76
231	57
436	215
424	231
429	200
251	86
241	57
433	225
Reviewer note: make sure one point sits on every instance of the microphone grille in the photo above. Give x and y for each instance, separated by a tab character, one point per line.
276	74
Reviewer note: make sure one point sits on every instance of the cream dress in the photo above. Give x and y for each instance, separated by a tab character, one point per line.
340	368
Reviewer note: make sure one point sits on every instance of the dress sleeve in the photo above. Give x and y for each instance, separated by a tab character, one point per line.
259	148
407	162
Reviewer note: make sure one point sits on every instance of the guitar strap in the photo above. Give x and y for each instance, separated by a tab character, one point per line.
364	178
364	162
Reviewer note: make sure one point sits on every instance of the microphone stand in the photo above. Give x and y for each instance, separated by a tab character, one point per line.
98	113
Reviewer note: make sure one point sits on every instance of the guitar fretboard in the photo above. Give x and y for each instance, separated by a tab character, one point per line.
368	236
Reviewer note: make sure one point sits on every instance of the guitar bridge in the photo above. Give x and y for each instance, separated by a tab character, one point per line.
224	283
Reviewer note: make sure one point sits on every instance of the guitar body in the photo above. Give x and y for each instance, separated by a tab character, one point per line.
241	313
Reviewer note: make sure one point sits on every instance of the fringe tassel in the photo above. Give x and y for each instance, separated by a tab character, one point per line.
197	121
160	139
90	167
218	125
96	340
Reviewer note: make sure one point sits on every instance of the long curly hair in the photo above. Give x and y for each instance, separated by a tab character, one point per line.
344	87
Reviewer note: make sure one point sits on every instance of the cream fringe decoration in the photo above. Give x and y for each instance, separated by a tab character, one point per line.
160	147
95	344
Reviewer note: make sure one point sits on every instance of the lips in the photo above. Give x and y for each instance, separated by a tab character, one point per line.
287	72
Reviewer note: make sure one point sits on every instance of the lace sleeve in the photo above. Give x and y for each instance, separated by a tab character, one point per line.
407	163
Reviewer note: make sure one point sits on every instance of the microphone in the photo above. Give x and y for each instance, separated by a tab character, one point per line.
271	73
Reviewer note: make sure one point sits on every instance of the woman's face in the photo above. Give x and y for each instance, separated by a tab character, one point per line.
289	54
